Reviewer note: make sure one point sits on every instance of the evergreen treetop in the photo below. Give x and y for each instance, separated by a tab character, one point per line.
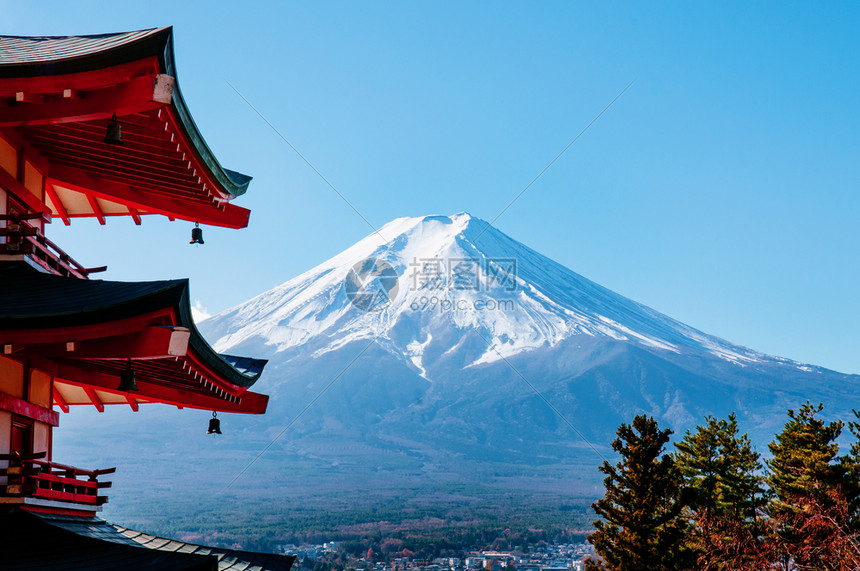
641	526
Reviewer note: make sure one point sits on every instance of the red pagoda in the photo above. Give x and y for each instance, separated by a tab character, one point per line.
96	127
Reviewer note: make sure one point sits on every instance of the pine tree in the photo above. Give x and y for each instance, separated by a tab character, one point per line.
721	470
851	466
851	489
642	527
809	509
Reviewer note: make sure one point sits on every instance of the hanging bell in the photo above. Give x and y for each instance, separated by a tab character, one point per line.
197	234
214	424
114	132
127	380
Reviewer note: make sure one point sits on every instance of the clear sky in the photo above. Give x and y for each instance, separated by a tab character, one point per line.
723	188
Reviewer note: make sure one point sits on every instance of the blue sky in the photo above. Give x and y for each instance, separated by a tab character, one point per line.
721	188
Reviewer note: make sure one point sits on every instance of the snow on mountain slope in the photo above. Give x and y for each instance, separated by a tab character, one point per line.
453	274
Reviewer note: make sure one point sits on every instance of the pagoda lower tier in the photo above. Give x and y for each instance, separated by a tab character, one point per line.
74	340
67	341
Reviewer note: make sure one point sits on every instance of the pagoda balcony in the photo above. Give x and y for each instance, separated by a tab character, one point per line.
29	478
22	240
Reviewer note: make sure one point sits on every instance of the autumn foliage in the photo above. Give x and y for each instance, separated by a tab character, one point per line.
713	505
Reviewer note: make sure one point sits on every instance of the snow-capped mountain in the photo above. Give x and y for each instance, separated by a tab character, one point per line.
433	316
449	274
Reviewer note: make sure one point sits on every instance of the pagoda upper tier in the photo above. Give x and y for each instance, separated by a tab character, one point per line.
58	95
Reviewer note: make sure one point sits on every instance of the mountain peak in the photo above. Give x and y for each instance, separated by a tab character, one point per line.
419	283
433	227
461	219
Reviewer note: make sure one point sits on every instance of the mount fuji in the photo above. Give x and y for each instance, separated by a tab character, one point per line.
443	337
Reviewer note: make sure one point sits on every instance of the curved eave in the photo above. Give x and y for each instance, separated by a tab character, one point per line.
31	60
234	183
88	331
218	363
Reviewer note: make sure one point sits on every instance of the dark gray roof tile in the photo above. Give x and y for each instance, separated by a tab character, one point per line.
30	49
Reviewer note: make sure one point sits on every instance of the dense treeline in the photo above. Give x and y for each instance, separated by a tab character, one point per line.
713	505
428	528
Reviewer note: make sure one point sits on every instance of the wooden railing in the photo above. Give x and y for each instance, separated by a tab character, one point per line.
23	238
30	476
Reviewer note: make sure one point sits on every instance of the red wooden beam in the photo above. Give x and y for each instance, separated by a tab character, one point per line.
144	142
135	215
82	81
70	373
96	208
136	95
228	216
60	401
106	215
154	342
142	138
178	182
58	495
28	409
58	142
28	97
23	193
58	204
80	333
146	151
100	180
91	393
54	510
132	402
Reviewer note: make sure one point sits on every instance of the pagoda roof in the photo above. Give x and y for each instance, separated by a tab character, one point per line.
59	93
54	541
27	56
228	559
87	332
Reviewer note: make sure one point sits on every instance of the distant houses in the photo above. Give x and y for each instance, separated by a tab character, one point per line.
560	557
